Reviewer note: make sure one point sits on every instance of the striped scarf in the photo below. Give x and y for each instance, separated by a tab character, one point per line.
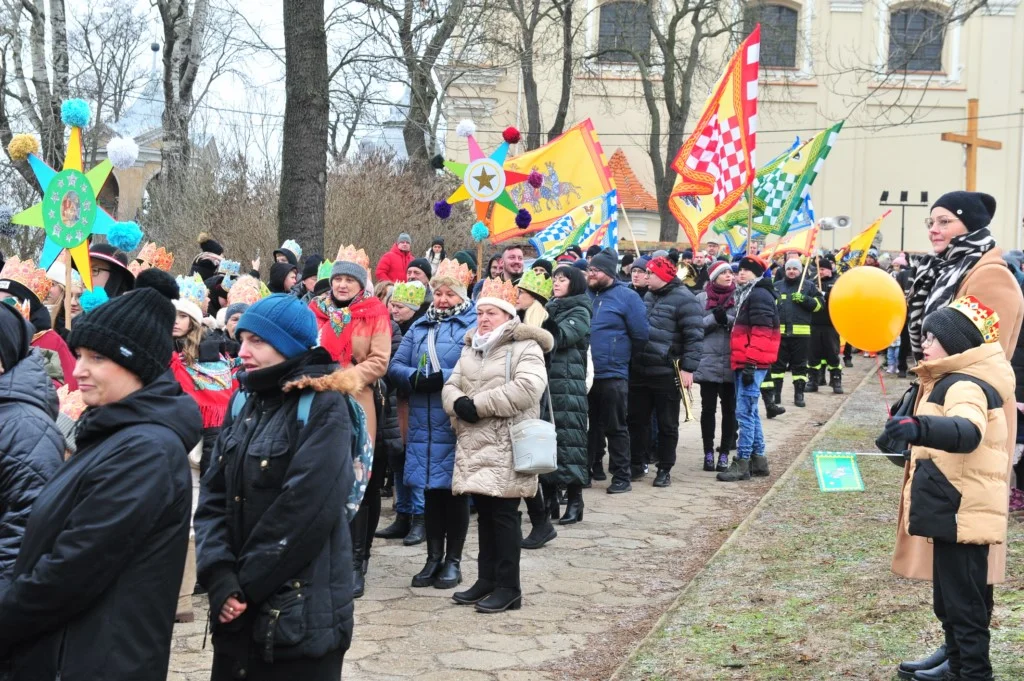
939	277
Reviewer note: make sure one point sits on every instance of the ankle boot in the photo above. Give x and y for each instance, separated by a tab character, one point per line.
397	529
540	534
723	462
359	567
435	554
812	381
777	392
450	575
759	466
417	531
551	499
574	507
940	673
906	670
836	381
500	600
798	394
770	408
739	469
474	594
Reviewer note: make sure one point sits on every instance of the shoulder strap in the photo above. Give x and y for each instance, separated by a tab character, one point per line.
238	403
305	404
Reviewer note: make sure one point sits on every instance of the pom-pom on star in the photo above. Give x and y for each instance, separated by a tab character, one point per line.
523	218
442	209
535	179
21	146
511	135
122	152
75	113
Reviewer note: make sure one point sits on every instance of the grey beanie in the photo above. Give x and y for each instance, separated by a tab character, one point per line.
349	269
404	237
235	308
794	262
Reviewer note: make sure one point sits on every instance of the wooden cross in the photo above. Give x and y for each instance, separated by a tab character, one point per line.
971	142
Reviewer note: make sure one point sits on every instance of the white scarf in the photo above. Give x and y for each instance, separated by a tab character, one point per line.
482	343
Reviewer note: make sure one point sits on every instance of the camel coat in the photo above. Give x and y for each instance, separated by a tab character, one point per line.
483	451
991	282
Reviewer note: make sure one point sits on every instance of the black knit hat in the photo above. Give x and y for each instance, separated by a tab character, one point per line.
954	331
422	264
975	209
541	262
312	265
210	245
606	261
133	330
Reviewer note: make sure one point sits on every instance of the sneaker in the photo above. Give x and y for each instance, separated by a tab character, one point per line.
619	487
902	373
723	462
709	461
662	479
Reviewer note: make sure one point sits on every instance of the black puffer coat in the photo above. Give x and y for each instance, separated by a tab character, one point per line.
31	449
677	332
96	582
389	436
271	523
569	323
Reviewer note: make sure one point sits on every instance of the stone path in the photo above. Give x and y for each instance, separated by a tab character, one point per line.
589	595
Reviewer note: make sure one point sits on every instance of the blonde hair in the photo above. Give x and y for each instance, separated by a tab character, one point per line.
535	315
383	291
190	342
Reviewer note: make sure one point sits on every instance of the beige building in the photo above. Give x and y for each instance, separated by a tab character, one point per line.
899	73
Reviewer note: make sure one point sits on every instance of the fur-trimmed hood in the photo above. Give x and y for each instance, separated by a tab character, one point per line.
345	381
518	331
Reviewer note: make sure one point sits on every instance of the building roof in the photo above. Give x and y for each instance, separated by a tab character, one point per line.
632	193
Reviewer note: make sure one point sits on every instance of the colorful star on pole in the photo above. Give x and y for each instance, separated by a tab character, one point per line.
69	212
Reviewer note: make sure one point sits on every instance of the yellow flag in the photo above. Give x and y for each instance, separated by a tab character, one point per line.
802	242
855	253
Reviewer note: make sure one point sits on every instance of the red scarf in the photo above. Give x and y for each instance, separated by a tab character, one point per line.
338	326
210	385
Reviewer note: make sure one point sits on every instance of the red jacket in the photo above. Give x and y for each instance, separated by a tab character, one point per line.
51	340
755	335
393	265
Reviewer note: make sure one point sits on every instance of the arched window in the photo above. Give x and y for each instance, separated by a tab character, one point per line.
778	33
623	32
915	40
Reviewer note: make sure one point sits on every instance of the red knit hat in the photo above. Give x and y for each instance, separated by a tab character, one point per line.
755	264
662	268
717	268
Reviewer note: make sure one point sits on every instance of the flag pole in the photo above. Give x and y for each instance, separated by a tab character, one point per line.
632	235
750	215
807	265
67	289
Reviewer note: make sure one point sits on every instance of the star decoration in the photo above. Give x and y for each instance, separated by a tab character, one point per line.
484	179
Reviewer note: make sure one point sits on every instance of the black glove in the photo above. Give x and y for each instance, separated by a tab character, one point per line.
748	374
427	384
720	316
904	429
466	410
550	325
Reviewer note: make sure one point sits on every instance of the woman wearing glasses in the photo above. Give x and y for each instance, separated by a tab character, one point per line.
965	261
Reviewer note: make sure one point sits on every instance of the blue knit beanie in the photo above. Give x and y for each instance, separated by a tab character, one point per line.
283	321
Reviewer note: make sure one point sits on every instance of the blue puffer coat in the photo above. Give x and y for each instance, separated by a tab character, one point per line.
618	330
430	442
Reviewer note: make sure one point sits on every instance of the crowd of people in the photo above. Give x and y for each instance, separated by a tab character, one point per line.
236	437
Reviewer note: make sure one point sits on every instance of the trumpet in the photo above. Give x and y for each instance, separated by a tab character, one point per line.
686	394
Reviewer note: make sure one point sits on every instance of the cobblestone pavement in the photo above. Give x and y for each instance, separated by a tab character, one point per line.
589	595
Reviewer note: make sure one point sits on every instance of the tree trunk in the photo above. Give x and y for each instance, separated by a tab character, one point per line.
300	211
558	125
530	93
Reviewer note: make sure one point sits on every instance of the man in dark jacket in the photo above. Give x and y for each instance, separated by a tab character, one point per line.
824	337
664	365
31	446
618	331
272	537
796	304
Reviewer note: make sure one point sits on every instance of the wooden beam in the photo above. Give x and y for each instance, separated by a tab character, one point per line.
971	142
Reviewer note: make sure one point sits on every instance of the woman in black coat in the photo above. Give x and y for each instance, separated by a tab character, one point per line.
94	588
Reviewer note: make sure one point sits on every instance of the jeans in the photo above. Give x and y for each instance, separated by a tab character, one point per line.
751	439
500	539
892	357
608	399
904	346
407	499
665	403
710	394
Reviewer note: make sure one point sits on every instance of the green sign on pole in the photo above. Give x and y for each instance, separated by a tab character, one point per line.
838	472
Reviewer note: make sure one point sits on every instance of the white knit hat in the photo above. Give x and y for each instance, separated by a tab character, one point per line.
189	308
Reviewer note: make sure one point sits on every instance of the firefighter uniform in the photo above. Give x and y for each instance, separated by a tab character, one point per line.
796	305
824	350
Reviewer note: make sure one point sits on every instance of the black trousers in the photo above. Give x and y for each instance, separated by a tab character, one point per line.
609	403
710	395
500	538
848	350
365	522
905	349
963	603
665	403
230	668
793	358
537	505
824	350
446	517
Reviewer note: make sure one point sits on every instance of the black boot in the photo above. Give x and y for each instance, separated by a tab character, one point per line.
417	531
759	466
474	594
450	575
574	507
738	470
771	409
435	554
542	531
798	393
906	669
551	499
359	577
812	381
836	381
777	392
396	530
500	600
357	529
940	673
848	362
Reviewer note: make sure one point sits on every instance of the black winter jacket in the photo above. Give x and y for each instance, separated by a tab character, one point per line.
96	582
794	317
820	317
31	449
677	333
271	525
389	436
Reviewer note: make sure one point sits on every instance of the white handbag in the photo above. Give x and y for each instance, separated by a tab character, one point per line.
534	441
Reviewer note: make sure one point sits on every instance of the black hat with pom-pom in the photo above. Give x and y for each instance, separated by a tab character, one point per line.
133	330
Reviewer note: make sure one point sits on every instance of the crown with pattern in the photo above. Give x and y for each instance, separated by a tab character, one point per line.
246	289
194	290
453	269
28	275
229	268
501	289
540	284
351	254
409	292
324	270
156	256
293	246
982	316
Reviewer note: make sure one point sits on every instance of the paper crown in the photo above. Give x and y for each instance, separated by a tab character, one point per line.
324	270
28	275
410	292
293	246
194	290
499	288
246	289
156	256
351	254
71	403
540	284
229	268
983	317
453	269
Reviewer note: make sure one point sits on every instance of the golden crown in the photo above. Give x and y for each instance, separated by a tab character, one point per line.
983	317
453	269
246	289
411	292
156	256
194	290
28	275
539	284
351	254
499	288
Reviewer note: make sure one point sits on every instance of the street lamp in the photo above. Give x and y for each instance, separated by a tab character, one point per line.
903	204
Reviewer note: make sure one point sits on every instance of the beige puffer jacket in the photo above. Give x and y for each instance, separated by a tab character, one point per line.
962	497
483	451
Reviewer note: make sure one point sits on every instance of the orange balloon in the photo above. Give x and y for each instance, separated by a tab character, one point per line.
868	308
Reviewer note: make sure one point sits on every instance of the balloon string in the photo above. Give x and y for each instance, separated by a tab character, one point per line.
881	381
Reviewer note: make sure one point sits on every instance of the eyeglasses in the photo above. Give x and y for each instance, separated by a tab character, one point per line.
928	339
96	270
941	222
